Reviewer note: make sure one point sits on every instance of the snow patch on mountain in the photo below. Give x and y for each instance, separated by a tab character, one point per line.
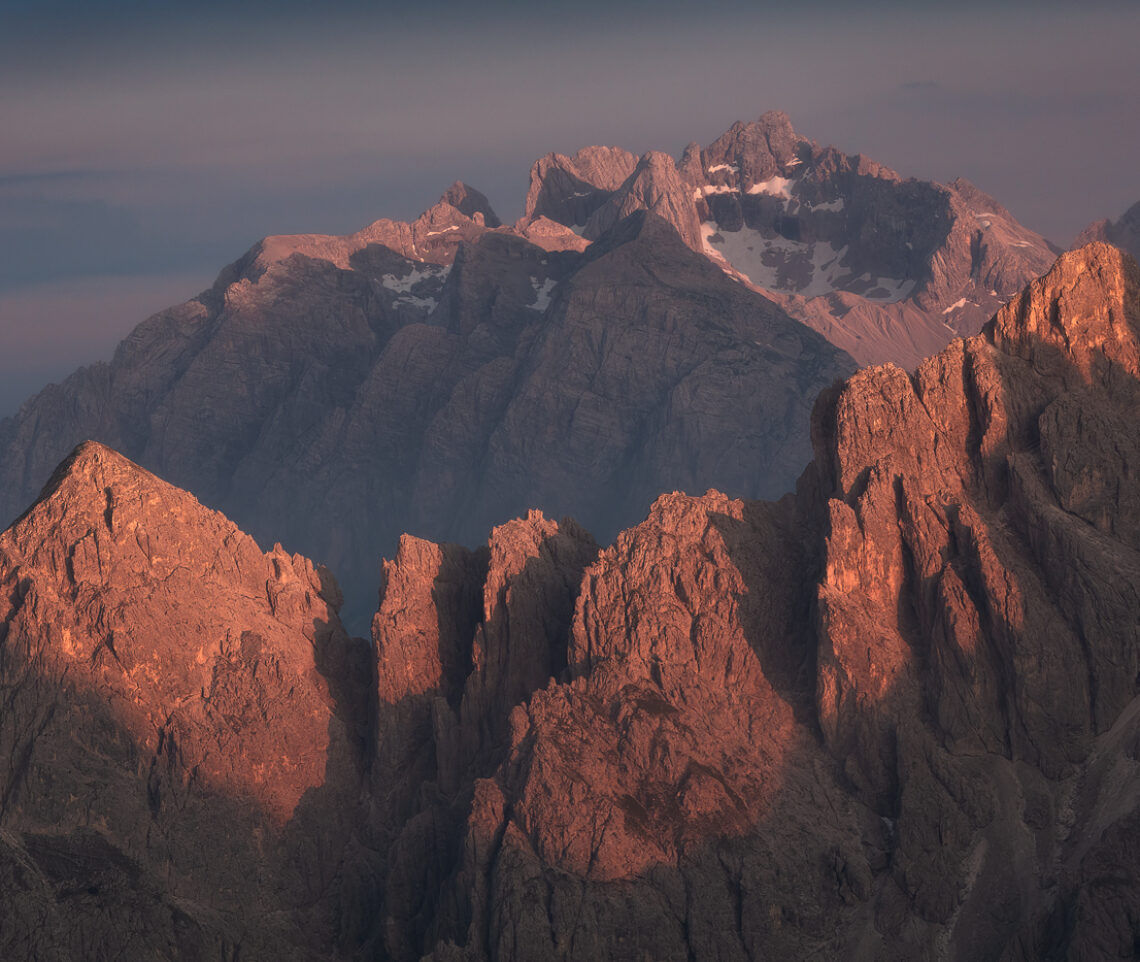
774	186
713	189
542	292
808	269
418	286
403	285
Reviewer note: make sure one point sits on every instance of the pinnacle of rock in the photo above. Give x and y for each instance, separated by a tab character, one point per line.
870	710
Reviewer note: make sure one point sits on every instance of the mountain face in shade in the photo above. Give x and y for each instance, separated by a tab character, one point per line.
891	716
568	190
887	269
1124	233
440	377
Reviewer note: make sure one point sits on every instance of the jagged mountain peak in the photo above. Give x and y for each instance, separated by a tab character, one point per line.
569	189
757	150
94	478
461	214
469	202
119	511
656	186
886	268
890	716
1123	232
1087	304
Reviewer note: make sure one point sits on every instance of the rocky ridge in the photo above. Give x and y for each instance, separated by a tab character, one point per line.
887	269
178	707
891	716
1123	232
439	377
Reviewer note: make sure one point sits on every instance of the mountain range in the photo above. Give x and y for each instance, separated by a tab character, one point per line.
1124	232
646	326
893	715
888	269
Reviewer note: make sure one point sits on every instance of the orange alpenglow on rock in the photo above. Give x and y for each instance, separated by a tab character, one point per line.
892	715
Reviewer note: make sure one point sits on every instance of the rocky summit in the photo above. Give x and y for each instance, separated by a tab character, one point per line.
891	716
887	269
1124	232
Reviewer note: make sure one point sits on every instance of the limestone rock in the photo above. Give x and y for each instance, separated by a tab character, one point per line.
569	189
470	202
656	186
887	269
893	715
333	395
183	722
1124	232
958	625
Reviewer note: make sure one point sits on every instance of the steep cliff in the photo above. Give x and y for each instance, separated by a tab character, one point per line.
888	718
184	725
887	269
891	716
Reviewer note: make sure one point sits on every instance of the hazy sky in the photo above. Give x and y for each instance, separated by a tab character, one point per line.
144	145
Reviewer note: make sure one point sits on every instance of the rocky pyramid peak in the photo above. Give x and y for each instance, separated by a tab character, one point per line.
569	189
94	477
176	697
1124	233
107	524
757	151
471	202
656	186
128	584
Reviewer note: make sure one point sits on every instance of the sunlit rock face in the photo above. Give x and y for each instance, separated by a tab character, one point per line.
183	727
887	269
891	716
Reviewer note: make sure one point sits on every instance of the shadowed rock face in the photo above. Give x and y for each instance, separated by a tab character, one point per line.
887	269
568	190
1124	233
438	378
891	716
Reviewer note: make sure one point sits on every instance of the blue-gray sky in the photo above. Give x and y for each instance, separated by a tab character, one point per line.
143	145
